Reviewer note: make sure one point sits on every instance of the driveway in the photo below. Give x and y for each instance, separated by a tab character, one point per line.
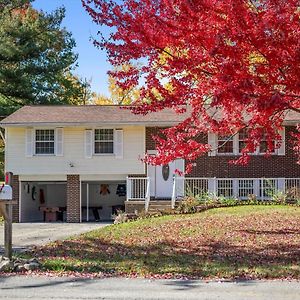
27	235
37	288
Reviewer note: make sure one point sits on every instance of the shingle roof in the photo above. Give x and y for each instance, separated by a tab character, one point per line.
89	114
97	114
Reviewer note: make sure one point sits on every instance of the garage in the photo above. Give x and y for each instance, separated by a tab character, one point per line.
43	201
101	200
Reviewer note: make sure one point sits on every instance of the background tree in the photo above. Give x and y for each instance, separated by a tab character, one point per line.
36	58
232	64
118	94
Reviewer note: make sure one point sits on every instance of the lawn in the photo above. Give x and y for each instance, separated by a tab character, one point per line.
234	242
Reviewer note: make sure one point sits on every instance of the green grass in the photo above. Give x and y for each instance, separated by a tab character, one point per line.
235	242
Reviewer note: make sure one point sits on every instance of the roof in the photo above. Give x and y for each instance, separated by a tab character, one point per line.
90	114
71	115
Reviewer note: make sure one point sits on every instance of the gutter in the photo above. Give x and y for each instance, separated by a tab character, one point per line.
90	124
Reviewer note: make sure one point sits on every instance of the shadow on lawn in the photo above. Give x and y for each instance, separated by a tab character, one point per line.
282	231
219	259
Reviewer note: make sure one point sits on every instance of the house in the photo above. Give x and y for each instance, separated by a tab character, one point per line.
82	163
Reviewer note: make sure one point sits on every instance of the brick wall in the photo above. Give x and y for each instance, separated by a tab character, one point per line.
150	131
73	198
16	193
259	166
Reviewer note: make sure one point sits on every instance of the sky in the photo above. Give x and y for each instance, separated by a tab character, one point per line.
92	61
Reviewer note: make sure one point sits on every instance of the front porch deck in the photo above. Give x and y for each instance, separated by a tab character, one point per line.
264	189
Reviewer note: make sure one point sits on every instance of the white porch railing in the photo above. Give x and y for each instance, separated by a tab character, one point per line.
260	188
138	188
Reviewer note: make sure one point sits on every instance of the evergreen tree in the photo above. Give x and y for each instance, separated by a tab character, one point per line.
36	58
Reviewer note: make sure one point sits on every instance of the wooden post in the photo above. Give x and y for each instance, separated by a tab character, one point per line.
8	231
6	204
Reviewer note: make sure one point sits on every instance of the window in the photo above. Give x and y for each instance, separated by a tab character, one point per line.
246	188
267	188
44	141
264	145
235	144
243	135
225	188
104	141
225	144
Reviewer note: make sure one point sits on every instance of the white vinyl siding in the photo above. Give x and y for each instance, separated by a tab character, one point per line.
74	151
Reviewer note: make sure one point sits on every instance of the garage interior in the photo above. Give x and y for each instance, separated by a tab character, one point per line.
100	201
43	201
47	201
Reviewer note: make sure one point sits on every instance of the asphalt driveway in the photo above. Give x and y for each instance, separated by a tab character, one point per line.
27	235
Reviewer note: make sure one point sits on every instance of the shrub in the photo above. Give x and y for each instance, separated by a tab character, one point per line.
121	217
188	205
279	197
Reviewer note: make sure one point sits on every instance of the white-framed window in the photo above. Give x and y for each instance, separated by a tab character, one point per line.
225	144
233	145
225	187
262	148
245	188
267	188
104	141
44	142
242	137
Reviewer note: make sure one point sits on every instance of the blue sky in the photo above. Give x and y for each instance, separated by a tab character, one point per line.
92	61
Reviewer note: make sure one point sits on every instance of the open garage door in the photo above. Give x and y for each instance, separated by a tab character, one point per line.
43	201
102	199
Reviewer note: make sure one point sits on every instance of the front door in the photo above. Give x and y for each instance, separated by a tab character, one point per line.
164	180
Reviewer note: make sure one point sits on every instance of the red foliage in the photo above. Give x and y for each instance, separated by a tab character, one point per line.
231	64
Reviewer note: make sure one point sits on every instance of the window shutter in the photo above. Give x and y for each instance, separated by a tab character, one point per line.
212	141
59	142
118	143
29	142
281	149
88	143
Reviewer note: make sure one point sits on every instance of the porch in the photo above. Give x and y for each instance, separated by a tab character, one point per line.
139	190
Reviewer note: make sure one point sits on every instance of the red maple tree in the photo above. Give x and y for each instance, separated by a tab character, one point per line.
227	65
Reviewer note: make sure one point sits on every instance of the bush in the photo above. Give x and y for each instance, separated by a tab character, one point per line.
121	217
279	197
188	205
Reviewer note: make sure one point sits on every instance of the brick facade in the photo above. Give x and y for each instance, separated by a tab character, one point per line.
259	166
73	199
15	194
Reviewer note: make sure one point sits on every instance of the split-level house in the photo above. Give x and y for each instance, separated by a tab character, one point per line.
83	163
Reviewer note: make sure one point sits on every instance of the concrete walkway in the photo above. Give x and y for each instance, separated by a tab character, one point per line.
36	288
27	235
